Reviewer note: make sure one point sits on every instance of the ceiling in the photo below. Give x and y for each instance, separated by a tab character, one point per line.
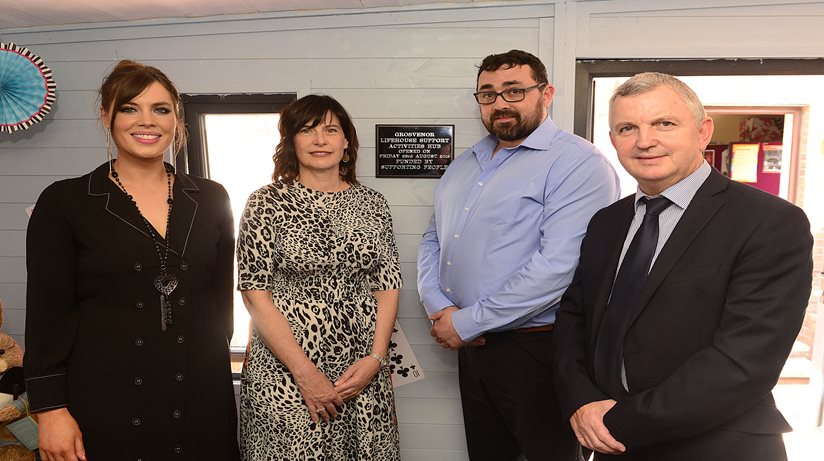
46	13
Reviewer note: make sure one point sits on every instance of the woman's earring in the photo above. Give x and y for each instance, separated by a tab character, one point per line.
109	149
346	157
172	153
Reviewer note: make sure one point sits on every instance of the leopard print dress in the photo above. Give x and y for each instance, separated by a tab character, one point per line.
321	255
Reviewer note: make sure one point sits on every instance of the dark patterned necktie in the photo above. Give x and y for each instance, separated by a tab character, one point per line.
609	346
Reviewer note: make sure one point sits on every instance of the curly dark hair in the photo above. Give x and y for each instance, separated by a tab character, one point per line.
511	59
310	110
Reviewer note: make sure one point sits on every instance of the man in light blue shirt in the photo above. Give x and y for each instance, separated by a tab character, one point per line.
500	250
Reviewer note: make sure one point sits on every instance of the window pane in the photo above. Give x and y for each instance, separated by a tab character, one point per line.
240	149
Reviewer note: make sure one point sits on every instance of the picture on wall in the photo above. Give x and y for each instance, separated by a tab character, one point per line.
709	156
772	158
744	163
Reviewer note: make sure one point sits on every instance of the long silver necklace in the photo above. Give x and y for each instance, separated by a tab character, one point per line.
165	283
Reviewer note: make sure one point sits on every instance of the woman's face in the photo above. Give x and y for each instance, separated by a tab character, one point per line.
144	127
320	148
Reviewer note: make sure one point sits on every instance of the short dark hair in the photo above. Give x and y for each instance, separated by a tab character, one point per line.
127	81
310	110
511	59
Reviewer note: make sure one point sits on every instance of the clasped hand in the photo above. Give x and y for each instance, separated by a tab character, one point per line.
444	332
357	377
323	399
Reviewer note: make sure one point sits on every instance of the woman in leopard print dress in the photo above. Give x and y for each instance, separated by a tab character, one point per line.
319	273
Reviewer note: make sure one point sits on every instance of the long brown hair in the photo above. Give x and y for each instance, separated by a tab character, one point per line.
310	111
127	81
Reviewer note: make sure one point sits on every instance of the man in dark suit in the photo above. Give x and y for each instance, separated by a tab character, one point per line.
687	298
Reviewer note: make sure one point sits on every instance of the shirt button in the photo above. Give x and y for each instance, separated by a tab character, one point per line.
456	235
480	183
138	267
178	376
138	342
449	290
135	421
138	381
178	449
466	209
182	301
139	304
184	266
449	263
177	414
180	339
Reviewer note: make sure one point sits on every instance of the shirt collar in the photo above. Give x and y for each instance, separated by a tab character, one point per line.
539	139
682	192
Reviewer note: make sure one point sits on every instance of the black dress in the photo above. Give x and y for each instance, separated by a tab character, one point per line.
94	341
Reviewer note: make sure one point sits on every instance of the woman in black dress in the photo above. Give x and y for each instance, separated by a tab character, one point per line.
129	304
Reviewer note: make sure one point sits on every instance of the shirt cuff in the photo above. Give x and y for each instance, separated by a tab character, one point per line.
465	325
47	392
435	302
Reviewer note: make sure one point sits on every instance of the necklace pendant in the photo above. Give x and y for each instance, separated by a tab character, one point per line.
165	283
165	313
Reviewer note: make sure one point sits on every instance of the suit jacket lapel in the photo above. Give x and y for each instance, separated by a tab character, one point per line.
119	205
184	211
116	203
706	203
612	245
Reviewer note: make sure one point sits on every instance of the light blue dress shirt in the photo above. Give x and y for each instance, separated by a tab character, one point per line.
505	235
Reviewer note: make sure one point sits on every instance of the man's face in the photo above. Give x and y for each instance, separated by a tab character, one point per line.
512	122
657	139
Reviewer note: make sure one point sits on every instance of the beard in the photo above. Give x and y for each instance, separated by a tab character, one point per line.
520	128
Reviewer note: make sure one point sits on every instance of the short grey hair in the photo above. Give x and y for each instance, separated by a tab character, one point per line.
648	81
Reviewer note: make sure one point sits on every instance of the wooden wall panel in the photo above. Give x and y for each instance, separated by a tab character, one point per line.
51	161
13	294
23	190
700	29
12	242
13	218
404	67
12	269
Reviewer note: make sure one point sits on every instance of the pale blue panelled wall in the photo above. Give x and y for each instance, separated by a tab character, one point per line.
405	65
401	67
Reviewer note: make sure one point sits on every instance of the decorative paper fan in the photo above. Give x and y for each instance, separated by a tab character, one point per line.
26	88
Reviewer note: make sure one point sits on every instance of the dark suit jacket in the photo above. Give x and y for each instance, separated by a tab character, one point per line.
93	336
715	323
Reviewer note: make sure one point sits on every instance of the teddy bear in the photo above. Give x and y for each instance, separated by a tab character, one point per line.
12	398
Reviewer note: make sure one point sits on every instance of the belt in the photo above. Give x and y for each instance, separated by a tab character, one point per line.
534	329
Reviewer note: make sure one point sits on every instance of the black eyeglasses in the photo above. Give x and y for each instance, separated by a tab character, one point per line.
509	94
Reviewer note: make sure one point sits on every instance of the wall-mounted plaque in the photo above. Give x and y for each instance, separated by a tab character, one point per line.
406	151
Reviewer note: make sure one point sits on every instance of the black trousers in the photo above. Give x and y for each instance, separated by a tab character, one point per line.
509	403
